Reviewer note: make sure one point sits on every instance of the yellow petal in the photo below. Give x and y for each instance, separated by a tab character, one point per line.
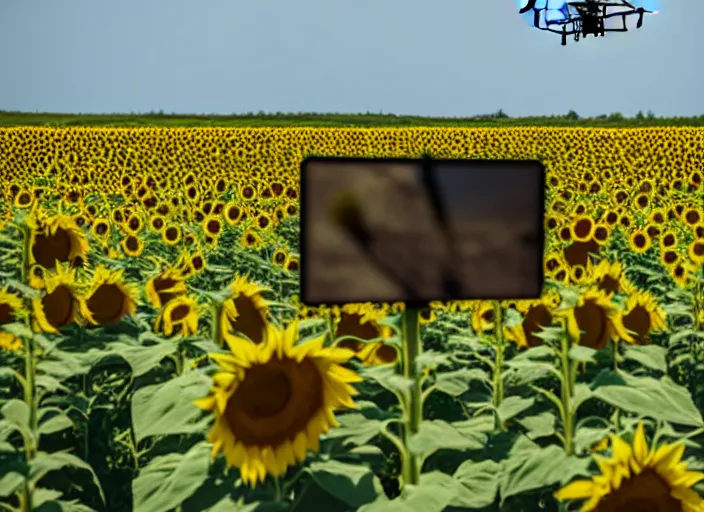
577	490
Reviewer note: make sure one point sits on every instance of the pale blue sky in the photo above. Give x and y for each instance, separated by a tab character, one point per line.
423	57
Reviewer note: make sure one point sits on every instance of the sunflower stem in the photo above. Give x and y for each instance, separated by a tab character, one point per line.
215	333
498	380
567	391
30	388
412	349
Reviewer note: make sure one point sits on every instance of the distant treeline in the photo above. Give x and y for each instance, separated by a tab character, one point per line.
499	118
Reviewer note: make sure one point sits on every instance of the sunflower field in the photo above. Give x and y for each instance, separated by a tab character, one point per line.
155	357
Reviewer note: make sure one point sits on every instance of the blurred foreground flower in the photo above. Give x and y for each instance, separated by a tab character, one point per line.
636	477
273	400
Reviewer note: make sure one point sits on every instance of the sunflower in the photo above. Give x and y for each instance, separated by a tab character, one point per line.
483	316
427	316
272	402
179	315
212	225
132	245
377	354
11	309
639	241
100	229
245	311
250	239
607	276
55	239
582	228
537	313
109	298
355	322
171	234
638	477
59	305
233	213
696	252
191	263
292	264
640	315
279	257
163	287
590	322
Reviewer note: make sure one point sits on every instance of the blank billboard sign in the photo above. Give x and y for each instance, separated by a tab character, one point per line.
420	230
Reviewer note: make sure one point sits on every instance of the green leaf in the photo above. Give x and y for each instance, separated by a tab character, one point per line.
431	359
16	413
167	408
582	393
439	435
521	372
685	333
534	469
540	425
659	399
63	506
44	463
582	354
512	406
586	437
457	382
512	318
143	359
352	484
387	377
19	329
356	428
51	384
40	496
54	424
434	494
535	353
480	482
650	356
168	481
13	469
26	291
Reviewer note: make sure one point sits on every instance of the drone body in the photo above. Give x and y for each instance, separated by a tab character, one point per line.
582	18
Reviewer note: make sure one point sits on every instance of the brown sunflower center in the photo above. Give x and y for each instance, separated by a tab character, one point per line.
592	320
386	353
7	314
58	307
578	252
162	284
180	312
275	401
351	325
537	317
638	321
250	321
106	304
47	249
646	492
350	344
608	284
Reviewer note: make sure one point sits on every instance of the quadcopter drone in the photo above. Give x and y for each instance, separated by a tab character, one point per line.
582	18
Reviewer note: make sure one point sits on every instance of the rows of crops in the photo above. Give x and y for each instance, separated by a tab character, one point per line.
154	355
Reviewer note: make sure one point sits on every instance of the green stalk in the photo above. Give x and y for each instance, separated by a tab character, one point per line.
498	380
414	411
567	391
215	334
30	388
